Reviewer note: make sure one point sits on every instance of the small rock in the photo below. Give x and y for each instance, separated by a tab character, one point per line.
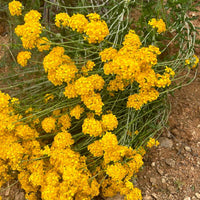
147	198
197	195
192	168
172	189
153	164
7	192
153	180
187	198
20	196
187	148
165	142
154	195
198	144
163	180
160	171
170	162
175	131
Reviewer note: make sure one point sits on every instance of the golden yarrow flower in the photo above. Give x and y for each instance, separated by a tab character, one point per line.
96	31
49	124
152	142
78	22
62	140
92	127
109	122
65	121
23	57
15	8
48	97
43	44
196	61
94	17
32	16
62	19
159	24
77	111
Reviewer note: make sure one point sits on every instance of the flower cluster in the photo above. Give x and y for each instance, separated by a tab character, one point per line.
96	128
159	24
43	44
15	8
95	29
31	30
131	64
152	142
23	57
60	67
120	163
62	19
48	124
76	111
192	62
63	168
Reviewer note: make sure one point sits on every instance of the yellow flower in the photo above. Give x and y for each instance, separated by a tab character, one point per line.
70	91
159	24
94	17
109	122
29	33
15	100
152	142
196	61
15	8
96	31
193	61
187	61
78	22
62	140
93	102
47	97
23	57
108	54
31	30
116	171
136	132
65	121
92	127
89	66
43	44
96	148
56	112
138	100
62	19
32	16
77	111
49	124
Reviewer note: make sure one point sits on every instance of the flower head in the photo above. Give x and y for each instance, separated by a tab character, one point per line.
49	124
15	8
23	57
159	24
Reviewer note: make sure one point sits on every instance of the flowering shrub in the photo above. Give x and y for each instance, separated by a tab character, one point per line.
86	123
